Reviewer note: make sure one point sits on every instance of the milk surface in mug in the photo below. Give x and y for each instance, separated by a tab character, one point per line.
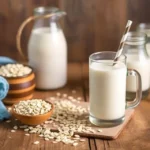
47	51
143	67
107	89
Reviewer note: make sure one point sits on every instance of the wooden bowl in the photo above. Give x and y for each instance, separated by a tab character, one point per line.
20	88
32	120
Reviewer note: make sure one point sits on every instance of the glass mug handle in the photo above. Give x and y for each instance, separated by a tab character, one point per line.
136	101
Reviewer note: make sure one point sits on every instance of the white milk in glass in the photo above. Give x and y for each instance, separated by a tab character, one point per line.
147	31
145	28
107	90
47	51
143	67
148	48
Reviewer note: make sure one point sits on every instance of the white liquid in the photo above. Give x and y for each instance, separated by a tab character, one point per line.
148	48
107	90
47	51
143	67
147	31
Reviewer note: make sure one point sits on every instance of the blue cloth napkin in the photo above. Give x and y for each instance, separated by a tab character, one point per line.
4	87
6	60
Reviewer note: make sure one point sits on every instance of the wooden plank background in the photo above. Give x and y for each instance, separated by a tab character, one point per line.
90	25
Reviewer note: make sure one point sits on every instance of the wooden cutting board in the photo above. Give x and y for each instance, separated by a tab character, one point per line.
107	133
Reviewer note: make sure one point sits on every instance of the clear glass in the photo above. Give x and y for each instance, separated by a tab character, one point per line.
47	49
145	27
107	89
138	59
52	22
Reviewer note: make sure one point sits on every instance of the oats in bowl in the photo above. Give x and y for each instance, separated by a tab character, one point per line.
32	107
14	70
32	112
21	79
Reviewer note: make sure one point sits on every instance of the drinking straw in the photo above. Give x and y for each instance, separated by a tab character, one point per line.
123	39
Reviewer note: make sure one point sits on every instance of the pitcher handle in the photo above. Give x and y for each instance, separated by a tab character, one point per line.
29	19
136	101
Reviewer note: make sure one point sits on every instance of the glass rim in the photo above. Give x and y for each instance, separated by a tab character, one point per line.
44	10
144	26
124	57
136	36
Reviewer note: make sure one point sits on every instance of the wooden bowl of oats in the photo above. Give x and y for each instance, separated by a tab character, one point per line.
21	81
32	112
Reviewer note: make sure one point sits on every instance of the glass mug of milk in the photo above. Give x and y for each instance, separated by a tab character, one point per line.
107	89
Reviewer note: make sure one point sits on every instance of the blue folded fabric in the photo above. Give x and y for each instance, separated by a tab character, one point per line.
4	87
6	60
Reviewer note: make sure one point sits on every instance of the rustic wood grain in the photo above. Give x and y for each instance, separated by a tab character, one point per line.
135	136
138	12
18	141
89	25
110	20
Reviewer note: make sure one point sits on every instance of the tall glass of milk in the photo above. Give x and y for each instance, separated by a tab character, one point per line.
47	50
145	27
138	59
107	89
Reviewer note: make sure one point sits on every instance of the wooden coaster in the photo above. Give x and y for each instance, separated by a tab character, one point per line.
107	133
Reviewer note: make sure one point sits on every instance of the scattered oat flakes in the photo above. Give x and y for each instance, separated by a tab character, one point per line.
27	134
13	131
82	140
8	121
64	95
36	142
58	94
75	144
70	97
15	127
73	91
9	109
67	118
100	130
73	100
79	98
77	136
46	139
26	130
52	98
55	142
46	122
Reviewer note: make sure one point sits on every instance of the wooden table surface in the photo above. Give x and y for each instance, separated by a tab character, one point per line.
135	136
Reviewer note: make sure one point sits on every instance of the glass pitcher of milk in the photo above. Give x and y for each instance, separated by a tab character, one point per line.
137	59
47	50
145	27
